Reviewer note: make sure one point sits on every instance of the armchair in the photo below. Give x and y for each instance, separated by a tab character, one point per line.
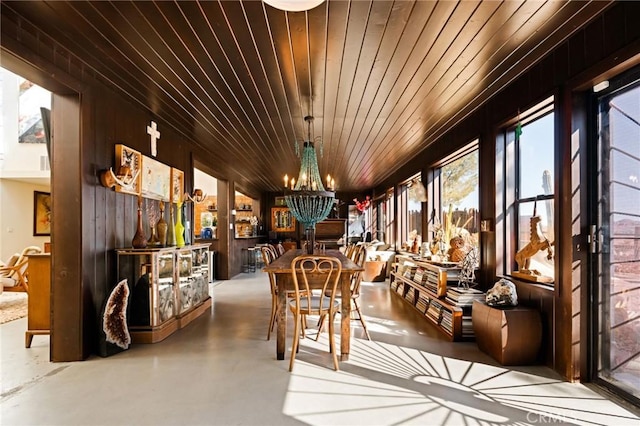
13	275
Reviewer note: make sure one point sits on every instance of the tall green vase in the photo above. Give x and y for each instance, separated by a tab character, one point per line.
179	226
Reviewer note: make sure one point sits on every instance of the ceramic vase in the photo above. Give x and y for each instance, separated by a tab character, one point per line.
171	228
187	225
139	239
153	239
179	227
162	226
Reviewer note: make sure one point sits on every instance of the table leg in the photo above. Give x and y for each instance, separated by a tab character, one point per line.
281	340
345	314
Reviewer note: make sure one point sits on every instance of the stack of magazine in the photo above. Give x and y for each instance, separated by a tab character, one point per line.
464	297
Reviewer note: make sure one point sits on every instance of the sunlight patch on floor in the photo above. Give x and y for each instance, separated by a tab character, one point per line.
386	384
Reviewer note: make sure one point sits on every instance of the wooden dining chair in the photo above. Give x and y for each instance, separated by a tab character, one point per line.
269	254
324	271
274	250
14	275
356	279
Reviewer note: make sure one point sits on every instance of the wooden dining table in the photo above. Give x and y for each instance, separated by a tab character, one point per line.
281	267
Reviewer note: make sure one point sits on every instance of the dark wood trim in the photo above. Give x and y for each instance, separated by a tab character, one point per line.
69	337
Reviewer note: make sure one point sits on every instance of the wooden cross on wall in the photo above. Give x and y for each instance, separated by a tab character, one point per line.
153	132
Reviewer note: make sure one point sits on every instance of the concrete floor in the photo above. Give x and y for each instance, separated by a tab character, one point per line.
221	370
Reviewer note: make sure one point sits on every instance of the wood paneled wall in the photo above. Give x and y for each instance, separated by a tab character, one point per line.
610	44
89	220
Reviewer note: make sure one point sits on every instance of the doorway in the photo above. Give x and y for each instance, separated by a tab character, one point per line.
616	239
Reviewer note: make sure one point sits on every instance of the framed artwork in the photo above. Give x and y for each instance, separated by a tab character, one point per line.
156	179
127	157
177	185
41	213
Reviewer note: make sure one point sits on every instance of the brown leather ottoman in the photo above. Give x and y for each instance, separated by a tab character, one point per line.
512	336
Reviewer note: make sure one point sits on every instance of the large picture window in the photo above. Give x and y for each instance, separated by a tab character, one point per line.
454	190
526	195
410	198
534	196
384	218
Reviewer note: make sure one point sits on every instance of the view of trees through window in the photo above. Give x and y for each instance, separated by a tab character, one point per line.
459	198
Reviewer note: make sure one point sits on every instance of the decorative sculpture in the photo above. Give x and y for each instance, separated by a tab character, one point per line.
468	267
538	242
457	250
114	320
503	293
124	178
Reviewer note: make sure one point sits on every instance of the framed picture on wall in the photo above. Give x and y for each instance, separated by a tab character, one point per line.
41	213
128	160
156	179
177	185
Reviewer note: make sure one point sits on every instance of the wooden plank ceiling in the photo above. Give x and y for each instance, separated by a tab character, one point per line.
383	79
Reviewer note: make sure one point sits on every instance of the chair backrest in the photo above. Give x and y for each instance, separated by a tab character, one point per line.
274	250
315	272
359	255
22	262
7	270
356	252
268	256
280	249
317	247
348	252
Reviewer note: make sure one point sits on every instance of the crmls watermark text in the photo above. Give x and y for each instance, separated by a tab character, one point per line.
540	418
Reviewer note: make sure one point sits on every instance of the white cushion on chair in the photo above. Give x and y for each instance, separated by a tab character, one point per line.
315	303
8	282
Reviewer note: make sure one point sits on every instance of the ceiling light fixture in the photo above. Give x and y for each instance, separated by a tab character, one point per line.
294	5
307	199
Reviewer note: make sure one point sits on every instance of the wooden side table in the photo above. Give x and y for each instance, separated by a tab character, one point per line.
39	299
374	271
512	336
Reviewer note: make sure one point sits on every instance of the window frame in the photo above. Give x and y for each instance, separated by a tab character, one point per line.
508	188
403	199
434	187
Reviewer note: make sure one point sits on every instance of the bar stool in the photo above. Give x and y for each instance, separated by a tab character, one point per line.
244	258
258	255
251	259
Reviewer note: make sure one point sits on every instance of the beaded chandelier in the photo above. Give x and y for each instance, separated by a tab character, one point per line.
308	200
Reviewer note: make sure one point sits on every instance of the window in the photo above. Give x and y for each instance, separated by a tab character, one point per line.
454	188
526	217
383	218
410	199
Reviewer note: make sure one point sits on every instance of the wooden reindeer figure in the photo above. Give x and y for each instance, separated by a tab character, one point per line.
537	243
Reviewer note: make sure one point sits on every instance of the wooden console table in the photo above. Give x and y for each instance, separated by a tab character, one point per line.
512	336
38	305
